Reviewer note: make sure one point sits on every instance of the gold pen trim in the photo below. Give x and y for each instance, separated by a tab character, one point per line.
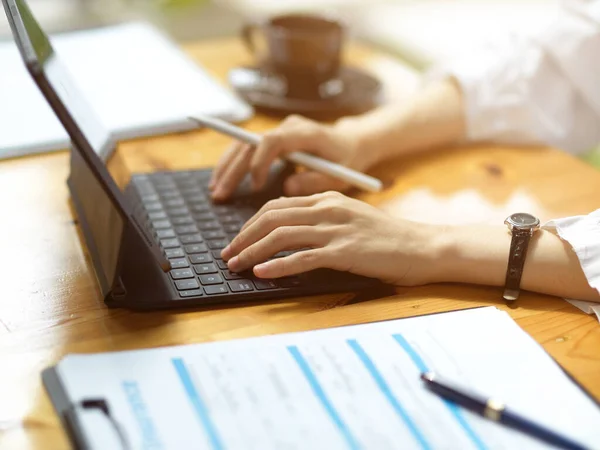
493	410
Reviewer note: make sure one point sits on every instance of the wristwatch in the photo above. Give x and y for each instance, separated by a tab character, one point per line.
522	226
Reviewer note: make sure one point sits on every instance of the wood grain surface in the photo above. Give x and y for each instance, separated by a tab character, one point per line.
50	304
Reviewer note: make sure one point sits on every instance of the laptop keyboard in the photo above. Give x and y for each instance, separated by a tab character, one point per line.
192	231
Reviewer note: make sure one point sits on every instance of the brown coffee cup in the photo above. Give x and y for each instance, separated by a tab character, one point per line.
304	49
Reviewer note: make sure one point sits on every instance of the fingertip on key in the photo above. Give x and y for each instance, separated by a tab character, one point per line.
262	270
233	263
226	253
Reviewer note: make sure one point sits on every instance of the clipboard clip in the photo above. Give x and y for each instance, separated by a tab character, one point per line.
75	430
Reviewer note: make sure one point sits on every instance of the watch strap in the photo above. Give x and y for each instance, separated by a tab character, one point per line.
516	262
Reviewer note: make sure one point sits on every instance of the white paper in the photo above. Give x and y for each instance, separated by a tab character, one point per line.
136	80
343	388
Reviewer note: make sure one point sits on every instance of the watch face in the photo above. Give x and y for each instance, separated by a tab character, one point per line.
523	220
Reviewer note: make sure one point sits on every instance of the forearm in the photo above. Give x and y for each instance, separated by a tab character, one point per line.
432	118
479	255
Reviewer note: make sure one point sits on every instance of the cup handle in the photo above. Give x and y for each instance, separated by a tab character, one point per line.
248	36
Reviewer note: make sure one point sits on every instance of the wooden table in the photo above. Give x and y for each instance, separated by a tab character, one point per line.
50	304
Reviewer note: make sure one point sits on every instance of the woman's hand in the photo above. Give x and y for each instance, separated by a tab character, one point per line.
340	233
334	143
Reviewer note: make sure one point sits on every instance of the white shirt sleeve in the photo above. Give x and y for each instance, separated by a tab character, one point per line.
583	234
541	89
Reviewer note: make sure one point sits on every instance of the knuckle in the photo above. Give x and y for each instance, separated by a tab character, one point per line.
272	138
340	212
327	198
320	197
294	119
333	195
281	234
335	209
271	204
272	217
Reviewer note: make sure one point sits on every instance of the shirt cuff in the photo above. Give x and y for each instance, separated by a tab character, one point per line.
495	91
583	234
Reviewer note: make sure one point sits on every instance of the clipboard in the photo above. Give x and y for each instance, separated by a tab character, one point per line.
72	416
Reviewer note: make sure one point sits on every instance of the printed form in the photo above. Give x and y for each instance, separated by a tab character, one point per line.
354	387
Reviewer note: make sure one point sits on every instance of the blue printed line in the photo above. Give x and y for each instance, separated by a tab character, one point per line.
197	403
416	358
387	392
320	393
454	409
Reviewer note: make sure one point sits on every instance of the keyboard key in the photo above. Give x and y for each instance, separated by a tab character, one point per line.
213	234
240	285
219	289
209	225
155	215
198	198
191	293
169	243
203	175
150	198
204	216
184	220
231	275
179	274
190	283
164	185
181	175
263	285
202	269
222	264
217	244
160	224
165	233
289	282
211	279
185	181
170	194
174	253
232	228
216	254
186	229
200	258
223	210
229	218
179	263
195	248
200	207
153	206
176	212
173	202
191	192
190	238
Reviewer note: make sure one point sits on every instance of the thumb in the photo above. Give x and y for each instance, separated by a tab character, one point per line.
308	183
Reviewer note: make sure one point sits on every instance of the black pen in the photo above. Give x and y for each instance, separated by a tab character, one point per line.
495	410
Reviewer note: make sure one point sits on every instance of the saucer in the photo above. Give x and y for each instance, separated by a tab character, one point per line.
353	92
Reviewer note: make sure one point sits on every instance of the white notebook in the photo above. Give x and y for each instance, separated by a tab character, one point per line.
136	79
342	388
